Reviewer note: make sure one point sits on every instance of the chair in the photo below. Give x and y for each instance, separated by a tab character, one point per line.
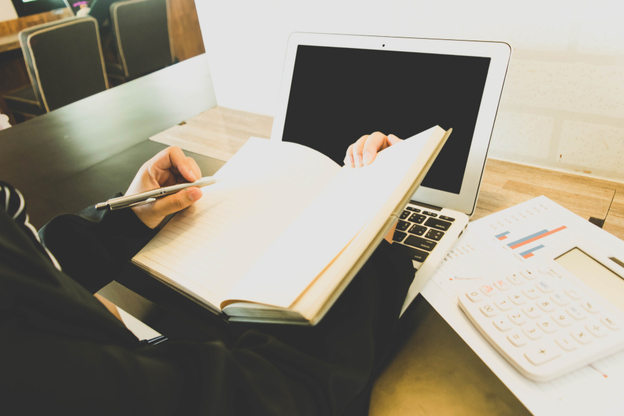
64	62
142	38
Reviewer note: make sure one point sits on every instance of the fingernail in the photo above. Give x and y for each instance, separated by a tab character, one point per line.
367	158
358	160
192	175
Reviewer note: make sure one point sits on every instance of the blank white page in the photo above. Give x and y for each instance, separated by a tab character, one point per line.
260	191
351	199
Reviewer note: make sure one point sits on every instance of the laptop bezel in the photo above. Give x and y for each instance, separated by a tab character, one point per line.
499	54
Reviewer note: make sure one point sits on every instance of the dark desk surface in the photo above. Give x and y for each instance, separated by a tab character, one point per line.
67	159
86	151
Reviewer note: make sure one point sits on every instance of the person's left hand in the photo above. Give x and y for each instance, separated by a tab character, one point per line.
169	167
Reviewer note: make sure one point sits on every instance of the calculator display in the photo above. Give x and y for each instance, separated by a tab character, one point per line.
594	274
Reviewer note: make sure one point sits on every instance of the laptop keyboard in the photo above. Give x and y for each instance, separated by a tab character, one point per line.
419	231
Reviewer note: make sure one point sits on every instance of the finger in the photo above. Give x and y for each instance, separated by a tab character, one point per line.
390	233
348	160
194	167
169	162
357	151
176	202
374	143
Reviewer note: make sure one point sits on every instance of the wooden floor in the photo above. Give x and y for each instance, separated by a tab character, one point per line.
220	132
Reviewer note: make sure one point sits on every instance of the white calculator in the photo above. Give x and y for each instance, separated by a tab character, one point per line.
544	320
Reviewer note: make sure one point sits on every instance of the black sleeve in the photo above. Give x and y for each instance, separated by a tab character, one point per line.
93	246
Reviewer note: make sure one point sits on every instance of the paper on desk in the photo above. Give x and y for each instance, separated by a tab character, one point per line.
594	389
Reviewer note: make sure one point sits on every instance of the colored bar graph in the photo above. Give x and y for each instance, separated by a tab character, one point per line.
502	236
529	253
534	237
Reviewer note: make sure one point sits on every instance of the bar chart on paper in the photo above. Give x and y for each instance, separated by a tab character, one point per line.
501	243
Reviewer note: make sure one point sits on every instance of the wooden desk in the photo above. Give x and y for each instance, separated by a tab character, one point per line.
9	42
82	153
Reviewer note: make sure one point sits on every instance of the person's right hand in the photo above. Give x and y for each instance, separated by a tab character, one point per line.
169	167
363	151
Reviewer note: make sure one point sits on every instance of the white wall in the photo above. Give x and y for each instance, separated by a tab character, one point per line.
7	11
563	104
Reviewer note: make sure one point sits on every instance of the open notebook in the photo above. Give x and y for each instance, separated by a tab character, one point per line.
285	228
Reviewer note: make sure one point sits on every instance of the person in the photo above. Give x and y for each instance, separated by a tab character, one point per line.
64	352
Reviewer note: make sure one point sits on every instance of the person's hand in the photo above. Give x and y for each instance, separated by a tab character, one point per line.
390	233
169	167
363	151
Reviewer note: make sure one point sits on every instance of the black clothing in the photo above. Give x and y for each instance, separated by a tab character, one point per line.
64	352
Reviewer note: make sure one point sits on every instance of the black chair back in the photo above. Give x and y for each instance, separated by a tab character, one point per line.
64	61
141	30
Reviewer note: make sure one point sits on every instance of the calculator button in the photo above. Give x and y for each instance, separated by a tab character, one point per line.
544	270
610	322
517	318
412	209
582	336
565	342
542	352
573	294
517	298
515	280
405	214
527	274
562	319
576	313
488	310
590	306
544	287
503	304
546	325
488	290
431	214
502	324
502	284
531	293
444	217
531	331
475	296
516	338
546	305
532	312
597	330
560	299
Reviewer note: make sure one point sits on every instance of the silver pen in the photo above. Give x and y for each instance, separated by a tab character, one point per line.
150	196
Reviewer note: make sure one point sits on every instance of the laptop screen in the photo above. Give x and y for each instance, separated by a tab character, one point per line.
339	94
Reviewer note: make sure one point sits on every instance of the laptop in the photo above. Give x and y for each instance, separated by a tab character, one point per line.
336	88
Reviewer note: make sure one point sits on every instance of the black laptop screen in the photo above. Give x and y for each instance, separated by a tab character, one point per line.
339	94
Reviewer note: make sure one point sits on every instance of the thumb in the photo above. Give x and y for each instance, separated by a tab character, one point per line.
392	139
176	202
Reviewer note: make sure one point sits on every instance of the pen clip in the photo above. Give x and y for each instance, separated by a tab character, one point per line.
136	204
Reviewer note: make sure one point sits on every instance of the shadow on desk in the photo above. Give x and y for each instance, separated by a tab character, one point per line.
432	371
